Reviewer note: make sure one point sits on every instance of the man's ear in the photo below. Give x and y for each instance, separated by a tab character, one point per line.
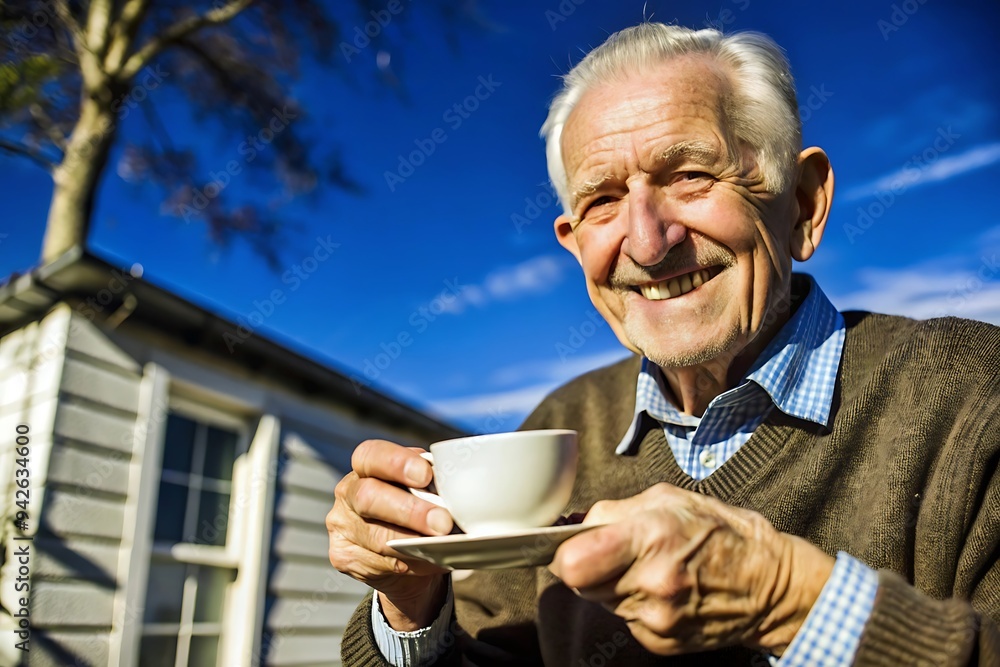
564	234
814	196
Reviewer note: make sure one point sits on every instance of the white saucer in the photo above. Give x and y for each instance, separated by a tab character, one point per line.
490	552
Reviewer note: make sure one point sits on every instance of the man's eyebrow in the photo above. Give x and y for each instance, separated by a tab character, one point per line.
588	187
700	152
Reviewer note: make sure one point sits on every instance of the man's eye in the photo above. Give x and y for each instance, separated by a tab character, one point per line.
695	175
600	201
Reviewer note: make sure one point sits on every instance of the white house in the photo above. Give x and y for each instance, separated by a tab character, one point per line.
173	488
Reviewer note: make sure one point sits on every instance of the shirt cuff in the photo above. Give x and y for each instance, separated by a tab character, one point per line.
832	631
416	648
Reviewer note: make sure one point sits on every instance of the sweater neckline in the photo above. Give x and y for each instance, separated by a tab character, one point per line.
750	462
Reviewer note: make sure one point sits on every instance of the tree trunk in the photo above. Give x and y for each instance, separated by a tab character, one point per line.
77	177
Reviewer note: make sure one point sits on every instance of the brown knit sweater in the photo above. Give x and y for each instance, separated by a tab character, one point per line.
906	481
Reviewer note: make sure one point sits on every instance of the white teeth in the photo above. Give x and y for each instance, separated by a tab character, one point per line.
669	289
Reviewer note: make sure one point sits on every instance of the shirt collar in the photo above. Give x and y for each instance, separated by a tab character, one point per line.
797	370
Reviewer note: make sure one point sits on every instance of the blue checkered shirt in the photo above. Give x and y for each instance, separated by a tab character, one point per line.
796	374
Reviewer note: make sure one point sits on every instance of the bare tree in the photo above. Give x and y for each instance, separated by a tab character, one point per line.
72	71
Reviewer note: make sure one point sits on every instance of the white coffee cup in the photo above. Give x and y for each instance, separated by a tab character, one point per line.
503	482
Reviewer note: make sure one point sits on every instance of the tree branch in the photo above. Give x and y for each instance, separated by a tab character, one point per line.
98	19
178	31
123	32
95	40
225	79
72	25
32	154
44	121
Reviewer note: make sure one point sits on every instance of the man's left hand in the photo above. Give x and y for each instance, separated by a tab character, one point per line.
689	573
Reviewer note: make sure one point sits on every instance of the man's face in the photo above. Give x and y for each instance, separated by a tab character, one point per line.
683	249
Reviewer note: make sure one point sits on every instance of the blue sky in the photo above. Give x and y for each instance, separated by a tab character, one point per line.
448	286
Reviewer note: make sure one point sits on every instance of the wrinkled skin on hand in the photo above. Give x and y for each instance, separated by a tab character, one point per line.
370	508
689	573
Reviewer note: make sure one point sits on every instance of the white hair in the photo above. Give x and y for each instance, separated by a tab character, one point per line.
761	110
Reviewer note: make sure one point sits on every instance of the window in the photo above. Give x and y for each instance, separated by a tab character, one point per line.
194	558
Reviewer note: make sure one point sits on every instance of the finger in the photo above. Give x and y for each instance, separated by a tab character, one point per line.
374	499
606	511
594	557
656	643
391	462
380	534
355	559
605	594
657	496
359	547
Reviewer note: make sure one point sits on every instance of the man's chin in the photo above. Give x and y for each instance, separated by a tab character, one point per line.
681	358
680	353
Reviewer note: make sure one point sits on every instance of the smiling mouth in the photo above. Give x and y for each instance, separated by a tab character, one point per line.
677	286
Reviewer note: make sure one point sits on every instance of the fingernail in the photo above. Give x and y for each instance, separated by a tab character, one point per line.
439	521
415	471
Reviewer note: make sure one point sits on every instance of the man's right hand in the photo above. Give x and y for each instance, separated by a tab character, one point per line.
370	509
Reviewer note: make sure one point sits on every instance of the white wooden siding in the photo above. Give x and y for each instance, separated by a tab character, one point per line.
80	397
31	361
80	648
93	438
308	602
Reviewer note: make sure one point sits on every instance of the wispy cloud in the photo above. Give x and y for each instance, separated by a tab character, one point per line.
555	370
535	380
942	169
537	275
923	294
512	404
954	284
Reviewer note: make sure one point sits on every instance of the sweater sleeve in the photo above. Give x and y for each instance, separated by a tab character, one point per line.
359	646
908	627
959	626
493	621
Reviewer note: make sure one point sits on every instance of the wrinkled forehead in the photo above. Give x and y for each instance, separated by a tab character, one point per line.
686	92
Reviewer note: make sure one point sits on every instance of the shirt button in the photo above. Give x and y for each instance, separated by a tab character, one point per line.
707	458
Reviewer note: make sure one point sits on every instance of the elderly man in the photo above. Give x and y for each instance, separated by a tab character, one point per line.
780	482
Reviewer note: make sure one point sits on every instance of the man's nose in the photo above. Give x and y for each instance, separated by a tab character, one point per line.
652	230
